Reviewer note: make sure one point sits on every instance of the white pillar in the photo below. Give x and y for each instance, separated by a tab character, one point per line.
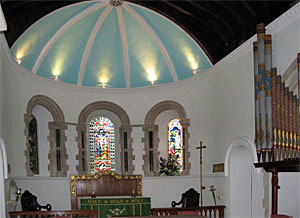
3	175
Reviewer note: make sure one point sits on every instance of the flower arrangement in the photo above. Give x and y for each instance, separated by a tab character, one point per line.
169	166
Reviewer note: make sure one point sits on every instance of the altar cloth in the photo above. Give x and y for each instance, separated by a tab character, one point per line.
117	207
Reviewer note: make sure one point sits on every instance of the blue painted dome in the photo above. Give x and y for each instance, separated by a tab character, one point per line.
102	43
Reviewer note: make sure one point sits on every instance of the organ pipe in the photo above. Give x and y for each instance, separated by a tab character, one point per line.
277	111
262	91
298	108
268	87
256	92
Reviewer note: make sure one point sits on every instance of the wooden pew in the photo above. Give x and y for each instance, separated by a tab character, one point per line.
56	214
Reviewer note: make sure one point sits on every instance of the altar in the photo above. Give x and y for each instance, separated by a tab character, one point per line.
110	194
121	206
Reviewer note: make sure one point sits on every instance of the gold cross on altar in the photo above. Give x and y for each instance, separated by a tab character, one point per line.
201	183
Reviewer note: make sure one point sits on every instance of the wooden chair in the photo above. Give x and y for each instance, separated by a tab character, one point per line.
188	199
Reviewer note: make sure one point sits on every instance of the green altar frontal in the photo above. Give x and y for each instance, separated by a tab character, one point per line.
110	207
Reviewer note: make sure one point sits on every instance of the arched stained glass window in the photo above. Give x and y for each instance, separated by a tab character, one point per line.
175	139
102	145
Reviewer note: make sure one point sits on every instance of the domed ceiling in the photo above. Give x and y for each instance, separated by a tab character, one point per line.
110	44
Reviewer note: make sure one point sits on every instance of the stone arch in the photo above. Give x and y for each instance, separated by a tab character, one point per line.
57	135
151	129
49	104
163	106
124	130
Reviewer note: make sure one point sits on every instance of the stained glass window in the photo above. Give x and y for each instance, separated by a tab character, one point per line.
33	146
175	139
102	145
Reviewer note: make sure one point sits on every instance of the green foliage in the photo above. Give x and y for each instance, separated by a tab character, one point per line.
169	167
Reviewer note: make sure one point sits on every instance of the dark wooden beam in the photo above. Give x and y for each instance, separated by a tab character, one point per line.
289	165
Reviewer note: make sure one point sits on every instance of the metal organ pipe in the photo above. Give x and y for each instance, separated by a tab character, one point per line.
277	110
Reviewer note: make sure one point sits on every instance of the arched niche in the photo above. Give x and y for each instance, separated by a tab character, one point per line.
124	136
151	133
57	138
239	168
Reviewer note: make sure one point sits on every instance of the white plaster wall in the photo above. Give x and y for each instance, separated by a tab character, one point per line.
258	209
219	104
289	194
43	117
241	183
49	190
286	41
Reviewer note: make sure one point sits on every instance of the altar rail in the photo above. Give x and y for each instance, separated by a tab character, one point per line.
61	214
208	211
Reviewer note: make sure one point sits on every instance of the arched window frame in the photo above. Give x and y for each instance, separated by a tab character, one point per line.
150	128
124	131
108	125
57	153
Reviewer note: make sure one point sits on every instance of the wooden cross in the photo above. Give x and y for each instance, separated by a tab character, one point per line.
201	182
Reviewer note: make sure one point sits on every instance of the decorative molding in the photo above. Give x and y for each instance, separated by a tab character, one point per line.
125	127
73	179
149	125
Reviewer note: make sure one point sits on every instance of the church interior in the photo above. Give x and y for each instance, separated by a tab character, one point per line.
150	108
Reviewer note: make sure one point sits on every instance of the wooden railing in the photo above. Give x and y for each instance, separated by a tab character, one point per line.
208	211
61	214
